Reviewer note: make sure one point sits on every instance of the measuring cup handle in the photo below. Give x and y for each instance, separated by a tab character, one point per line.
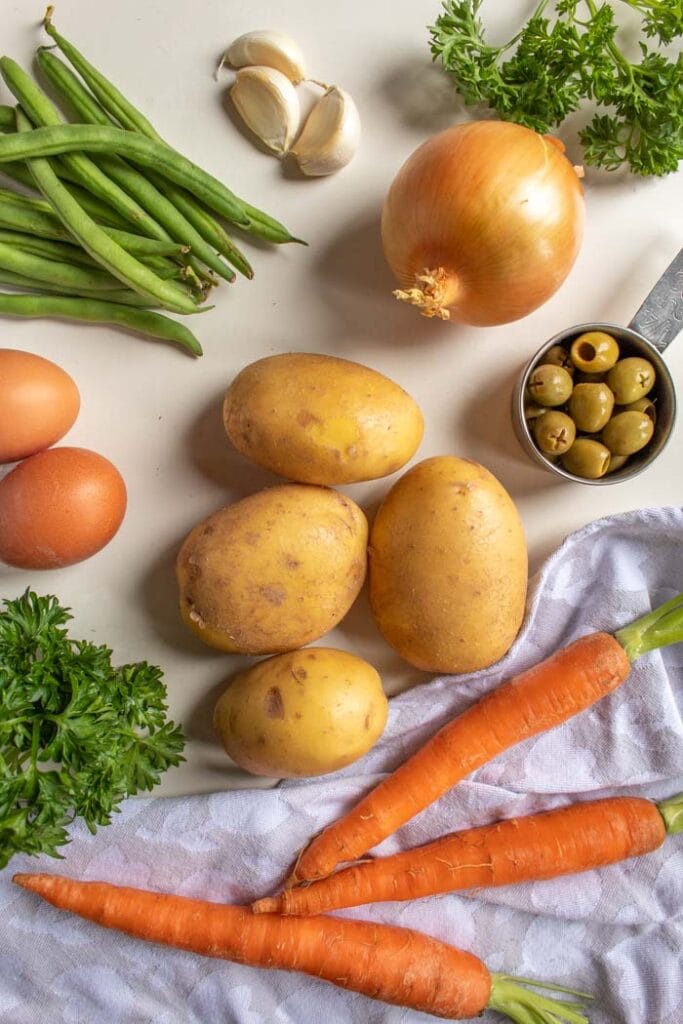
660	318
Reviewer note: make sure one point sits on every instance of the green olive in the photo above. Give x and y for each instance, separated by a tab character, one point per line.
628	432
589	378
590	406
594	352
532	411
587	458
549	385
631	379
616	462
645	405
558	355
554	432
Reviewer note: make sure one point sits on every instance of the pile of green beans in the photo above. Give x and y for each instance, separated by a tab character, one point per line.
123	222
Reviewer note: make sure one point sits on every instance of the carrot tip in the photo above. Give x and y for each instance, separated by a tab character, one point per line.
268	905
39	881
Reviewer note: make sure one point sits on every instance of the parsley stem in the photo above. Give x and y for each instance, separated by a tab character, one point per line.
620	61
641	5
515	39
33	779
35	742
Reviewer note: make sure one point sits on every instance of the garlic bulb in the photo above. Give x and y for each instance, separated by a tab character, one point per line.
267	49
268	104
330	136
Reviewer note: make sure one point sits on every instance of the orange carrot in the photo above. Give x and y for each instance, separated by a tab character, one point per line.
397	965
560	842
552	692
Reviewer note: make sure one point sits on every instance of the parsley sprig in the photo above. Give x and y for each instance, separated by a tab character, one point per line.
77	735
551	66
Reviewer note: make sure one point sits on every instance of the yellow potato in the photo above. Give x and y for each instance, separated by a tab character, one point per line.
448	567
274	571
304	713
321	420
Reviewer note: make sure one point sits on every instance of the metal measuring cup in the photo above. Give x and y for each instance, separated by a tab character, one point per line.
652	329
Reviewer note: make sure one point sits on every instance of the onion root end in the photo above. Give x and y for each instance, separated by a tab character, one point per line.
432	291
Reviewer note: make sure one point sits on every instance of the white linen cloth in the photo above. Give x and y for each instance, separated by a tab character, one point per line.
617	932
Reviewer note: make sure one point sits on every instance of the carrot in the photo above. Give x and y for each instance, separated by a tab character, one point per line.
552	692
560	842
394	964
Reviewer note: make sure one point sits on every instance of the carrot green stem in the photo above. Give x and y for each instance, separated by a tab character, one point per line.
672	812
658	628
510	997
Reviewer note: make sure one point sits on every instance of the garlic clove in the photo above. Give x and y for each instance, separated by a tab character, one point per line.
330	136
268	104
267	49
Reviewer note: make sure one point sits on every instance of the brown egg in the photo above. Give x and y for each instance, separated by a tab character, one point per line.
39	402
59	507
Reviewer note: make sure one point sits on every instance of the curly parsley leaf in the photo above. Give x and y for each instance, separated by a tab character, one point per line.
550	67
77	735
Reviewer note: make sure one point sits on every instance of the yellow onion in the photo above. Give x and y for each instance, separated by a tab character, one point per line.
483	223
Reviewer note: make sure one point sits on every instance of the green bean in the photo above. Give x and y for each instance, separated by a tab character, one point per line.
94	207
93	239
43	113
261	225
97	209
204	223
108	95
112	102
142	246
121	295
142	321
15	217
18	172
89	111
141	188
35	217
164	268
28	202
62	252
21	262
71	138
18	217
175	223
116	104
7	117
100	210
150	194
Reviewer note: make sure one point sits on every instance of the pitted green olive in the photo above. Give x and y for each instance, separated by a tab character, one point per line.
587	458
559	356
549	385
594	352
631	379
590	406
554	432
628	432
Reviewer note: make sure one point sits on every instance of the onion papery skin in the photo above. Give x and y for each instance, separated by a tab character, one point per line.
483	223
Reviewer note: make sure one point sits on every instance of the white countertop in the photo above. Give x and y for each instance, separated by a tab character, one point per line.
156	414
